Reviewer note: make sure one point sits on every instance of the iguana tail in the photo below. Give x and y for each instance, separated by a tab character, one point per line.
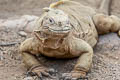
105	7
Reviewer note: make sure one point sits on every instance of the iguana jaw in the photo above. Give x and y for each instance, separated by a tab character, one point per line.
52	34
60	31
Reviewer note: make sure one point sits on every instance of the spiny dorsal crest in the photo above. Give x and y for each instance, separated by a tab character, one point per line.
58	3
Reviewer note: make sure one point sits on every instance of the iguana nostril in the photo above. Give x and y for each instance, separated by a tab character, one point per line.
60	24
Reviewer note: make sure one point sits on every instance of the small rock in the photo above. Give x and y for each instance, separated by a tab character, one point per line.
116	48
28	78
1	63
118	33
22	33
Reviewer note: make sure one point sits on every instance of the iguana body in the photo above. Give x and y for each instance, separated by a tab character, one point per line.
67	29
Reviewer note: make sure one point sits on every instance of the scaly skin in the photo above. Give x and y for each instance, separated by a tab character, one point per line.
64	31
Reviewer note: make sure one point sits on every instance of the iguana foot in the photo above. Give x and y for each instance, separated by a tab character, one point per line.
74	75
41	71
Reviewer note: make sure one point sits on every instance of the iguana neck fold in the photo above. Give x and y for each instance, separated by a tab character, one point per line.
49	41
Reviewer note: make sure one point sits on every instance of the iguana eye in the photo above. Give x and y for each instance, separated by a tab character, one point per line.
51	21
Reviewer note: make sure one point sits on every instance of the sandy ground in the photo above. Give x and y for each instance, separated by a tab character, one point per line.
106	60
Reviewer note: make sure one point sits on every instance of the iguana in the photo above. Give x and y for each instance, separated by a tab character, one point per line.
67	29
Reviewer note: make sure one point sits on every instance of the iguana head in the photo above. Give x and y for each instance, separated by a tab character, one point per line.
55	22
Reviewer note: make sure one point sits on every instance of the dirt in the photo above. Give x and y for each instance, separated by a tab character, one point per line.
106	60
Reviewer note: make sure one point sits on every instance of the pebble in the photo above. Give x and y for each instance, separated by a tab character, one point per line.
28	78
1	63
22	33
116	47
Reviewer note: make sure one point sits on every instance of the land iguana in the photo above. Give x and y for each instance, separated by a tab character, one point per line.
67	29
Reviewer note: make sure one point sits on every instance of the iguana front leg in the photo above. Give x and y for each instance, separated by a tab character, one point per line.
79	47
29	48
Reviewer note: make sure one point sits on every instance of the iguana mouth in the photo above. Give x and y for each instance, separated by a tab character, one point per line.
54	33
66	29
61	30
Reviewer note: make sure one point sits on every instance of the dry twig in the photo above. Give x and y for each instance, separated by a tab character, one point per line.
9	44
